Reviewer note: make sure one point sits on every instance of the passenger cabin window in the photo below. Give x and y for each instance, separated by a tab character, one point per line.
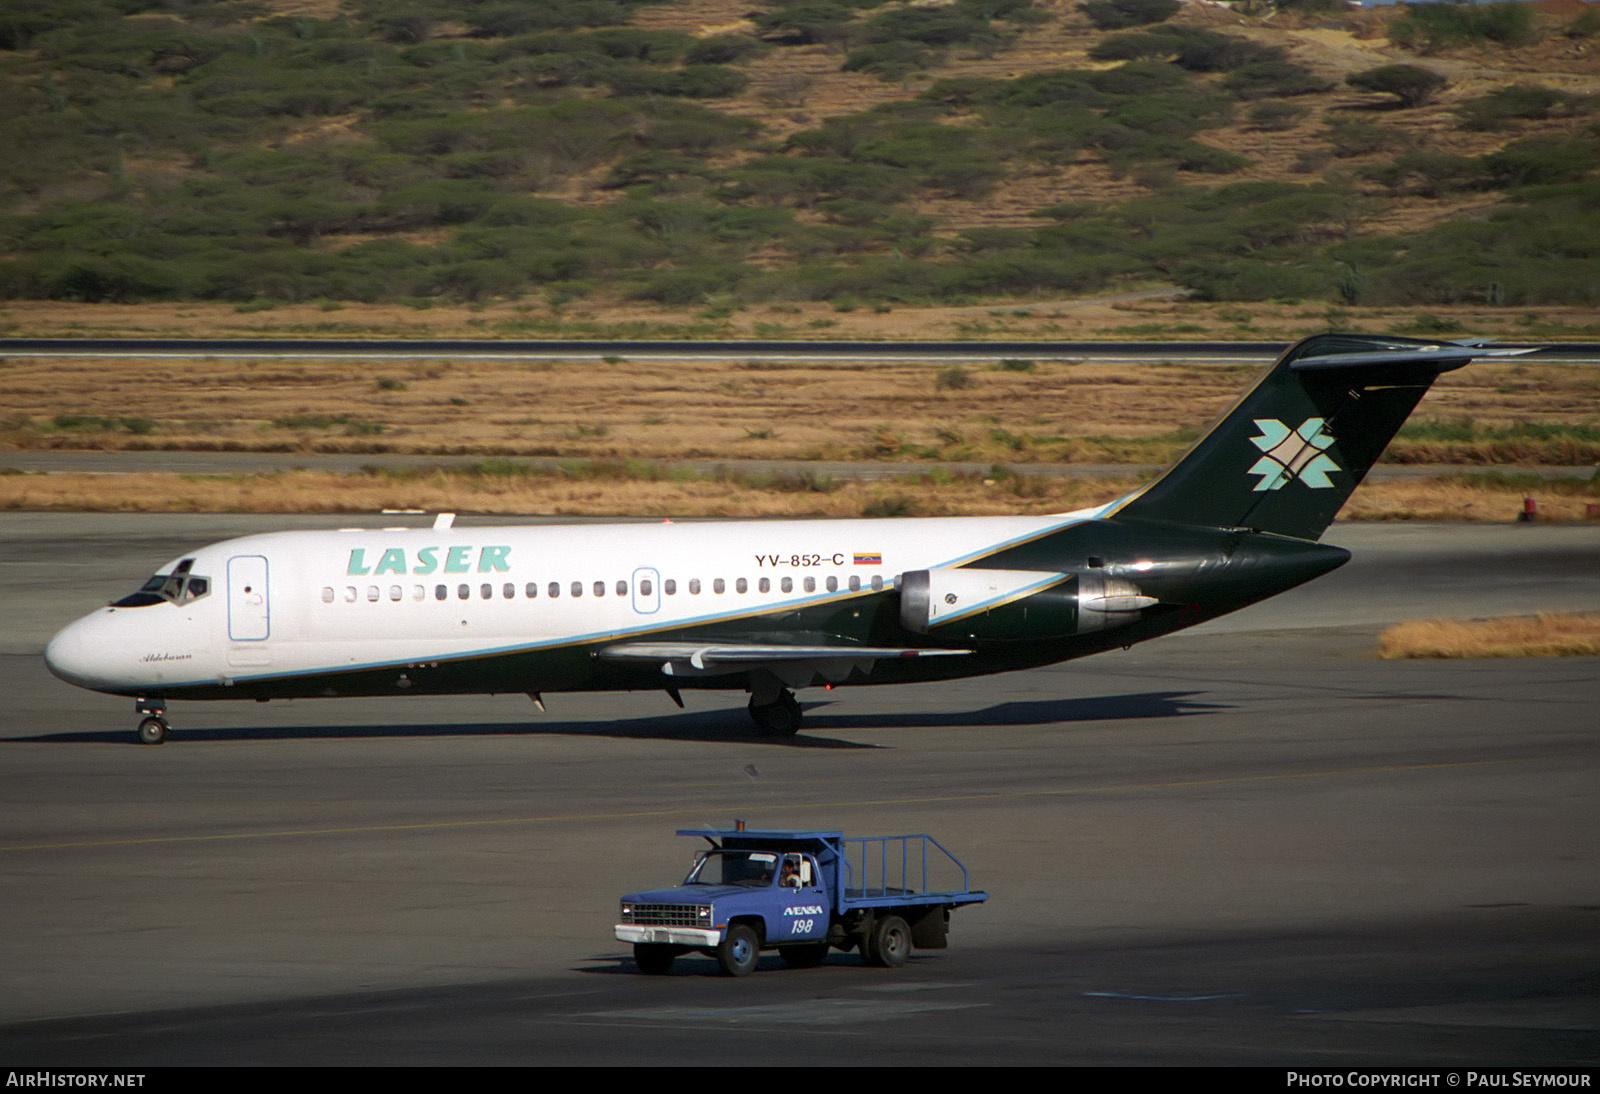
327	594
599	588
741	586
622	588
645	587
441	592
765	585
554	590
509	591
532	591
786	585
670	586
833	584
719	586
577	588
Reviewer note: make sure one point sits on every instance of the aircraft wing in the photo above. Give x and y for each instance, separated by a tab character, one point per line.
785	661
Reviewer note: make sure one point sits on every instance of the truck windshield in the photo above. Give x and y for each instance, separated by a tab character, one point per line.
754	869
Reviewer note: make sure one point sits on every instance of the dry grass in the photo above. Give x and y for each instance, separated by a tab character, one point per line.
1153	312
1468	499
604	490
647	490
1544	635
1058	412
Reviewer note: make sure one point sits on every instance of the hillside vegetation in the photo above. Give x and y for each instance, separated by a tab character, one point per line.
714	154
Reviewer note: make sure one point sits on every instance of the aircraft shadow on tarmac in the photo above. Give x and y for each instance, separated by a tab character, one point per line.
709	726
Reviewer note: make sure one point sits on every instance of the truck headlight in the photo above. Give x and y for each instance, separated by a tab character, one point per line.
627	912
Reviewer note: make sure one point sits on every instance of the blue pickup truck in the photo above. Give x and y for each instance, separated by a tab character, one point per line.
801	893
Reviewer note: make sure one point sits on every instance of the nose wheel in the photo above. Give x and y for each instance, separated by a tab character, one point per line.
153	730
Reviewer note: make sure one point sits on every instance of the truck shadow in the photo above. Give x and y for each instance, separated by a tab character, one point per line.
699	965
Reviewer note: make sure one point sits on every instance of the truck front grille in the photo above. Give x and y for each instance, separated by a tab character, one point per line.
672	915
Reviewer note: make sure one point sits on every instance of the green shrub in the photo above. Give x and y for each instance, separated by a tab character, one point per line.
1116	14
1412	85
1276	116
1540	160
1519	102
724	49
1428	28
1274	79
807	22
890	61
1360	137
1429	174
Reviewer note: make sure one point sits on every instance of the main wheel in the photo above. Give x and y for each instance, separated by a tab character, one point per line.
152	731
779	719
653	958
807	955
889	944
738	951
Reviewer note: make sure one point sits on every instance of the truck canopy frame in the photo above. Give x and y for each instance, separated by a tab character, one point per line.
879	871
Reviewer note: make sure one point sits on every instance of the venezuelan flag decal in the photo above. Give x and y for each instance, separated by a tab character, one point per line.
869	558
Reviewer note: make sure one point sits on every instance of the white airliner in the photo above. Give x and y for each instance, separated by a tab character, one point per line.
768	606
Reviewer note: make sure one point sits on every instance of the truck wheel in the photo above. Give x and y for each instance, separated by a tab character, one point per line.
889	944
805	956
738	951
653	958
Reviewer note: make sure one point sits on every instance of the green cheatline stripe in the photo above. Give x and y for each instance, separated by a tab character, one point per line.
699	810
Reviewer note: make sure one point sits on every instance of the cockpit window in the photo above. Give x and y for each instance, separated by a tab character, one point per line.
178	587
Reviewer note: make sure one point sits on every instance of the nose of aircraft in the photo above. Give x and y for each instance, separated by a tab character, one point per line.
75	655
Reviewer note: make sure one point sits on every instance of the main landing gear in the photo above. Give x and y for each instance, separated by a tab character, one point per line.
153	730
779	717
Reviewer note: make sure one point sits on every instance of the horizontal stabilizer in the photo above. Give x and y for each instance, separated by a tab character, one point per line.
1441	358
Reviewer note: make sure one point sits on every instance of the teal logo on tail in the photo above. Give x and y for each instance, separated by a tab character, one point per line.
1290	454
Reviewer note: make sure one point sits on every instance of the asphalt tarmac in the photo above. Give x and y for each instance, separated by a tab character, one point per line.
1249	843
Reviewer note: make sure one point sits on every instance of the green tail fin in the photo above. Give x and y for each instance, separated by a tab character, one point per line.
1287	456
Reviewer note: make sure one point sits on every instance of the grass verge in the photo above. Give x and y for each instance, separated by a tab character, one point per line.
1544	635
644	488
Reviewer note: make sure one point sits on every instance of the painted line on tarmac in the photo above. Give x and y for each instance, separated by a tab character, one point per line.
698	811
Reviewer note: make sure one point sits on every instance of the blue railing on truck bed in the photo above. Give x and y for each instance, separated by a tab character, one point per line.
887	866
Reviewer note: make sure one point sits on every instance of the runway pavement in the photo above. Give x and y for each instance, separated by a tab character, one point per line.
1249	843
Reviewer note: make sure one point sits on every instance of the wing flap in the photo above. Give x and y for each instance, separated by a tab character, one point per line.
706	656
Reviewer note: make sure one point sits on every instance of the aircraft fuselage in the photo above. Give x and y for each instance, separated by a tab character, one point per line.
530	608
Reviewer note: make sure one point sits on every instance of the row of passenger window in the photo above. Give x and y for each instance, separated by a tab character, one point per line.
553	590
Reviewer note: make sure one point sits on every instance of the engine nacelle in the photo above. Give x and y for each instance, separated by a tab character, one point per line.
999	605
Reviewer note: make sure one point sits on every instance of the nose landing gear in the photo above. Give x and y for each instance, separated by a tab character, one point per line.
153	730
